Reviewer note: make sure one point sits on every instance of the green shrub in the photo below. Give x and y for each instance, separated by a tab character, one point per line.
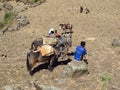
8	16
7	19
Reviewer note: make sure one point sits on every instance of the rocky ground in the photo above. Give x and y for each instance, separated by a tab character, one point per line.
98	28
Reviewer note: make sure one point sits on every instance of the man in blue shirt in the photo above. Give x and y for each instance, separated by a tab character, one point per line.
80	52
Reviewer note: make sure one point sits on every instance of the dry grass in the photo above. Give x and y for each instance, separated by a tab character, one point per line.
98	29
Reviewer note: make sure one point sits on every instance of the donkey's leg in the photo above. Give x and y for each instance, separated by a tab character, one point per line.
56	58
32	63
50	66
70	42
64	52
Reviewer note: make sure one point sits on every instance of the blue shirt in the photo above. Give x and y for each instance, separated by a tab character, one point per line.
79	53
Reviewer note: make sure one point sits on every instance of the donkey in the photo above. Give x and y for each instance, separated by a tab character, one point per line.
36	43
34	57
66	26
62	46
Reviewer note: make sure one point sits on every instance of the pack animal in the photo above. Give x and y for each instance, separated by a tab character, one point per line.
34	57
66	27
62	46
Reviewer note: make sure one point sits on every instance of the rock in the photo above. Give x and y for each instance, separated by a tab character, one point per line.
75	69
22	10
18	17
116	42
7	6
19	22
19	10
114	88
3	30
11	87
44	87
22	21
13	28
2	1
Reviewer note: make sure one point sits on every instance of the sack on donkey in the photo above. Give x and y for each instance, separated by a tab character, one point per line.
49	41
46	50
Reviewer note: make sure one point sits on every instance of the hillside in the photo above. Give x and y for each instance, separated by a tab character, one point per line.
98	28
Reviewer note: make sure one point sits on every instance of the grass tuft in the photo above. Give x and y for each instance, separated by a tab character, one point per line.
106	78
7	19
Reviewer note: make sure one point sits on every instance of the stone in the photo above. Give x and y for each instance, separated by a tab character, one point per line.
116	42
3	30
22	21
75	69
13	28
44	87
11	87
8	6
2	1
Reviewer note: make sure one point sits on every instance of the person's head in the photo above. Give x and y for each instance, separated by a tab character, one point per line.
83	43
51	31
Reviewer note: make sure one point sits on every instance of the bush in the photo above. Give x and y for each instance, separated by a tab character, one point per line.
8	16
8	19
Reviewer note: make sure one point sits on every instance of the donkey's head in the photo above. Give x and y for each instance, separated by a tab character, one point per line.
62	26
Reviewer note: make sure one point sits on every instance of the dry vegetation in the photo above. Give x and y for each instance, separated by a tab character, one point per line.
7	19
98	28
